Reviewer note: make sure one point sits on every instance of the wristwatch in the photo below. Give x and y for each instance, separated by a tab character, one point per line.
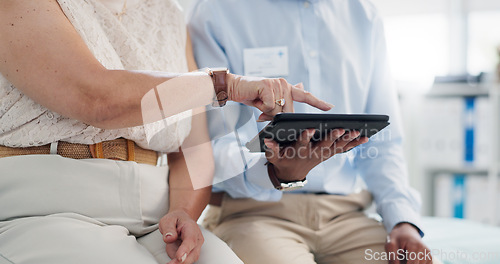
281	185
220	85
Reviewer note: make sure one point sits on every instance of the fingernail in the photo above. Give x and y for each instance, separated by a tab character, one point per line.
184	257
168	234
260	120
330	105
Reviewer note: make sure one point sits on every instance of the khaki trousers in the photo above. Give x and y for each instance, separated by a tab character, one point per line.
299	229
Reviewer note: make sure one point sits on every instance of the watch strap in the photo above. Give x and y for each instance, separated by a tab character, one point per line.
283	186
220	86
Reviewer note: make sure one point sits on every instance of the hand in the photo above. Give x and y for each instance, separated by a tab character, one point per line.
263	93
405	238
182	236
293	163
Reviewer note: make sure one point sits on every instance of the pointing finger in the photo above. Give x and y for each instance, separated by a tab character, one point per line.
306	97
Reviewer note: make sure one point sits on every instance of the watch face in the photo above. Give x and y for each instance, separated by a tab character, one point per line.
222	96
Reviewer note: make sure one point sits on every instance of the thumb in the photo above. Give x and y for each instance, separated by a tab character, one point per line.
169	229
264	117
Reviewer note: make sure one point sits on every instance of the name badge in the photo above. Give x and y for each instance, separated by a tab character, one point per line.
266	62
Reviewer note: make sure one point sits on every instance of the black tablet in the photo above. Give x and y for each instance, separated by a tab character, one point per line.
285	128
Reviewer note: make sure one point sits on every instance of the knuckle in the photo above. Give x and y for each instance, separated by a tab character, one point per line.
283	82
269	83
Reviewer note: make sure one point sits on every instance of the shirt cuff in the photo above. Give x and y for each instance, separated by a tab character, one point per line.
257	174
396	213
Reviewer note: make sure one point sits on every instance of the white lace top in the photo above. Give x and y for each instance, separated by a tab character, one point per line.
150	35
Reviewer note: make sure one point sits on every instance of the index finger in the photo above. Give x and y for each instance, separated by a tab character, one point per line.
303	96
287	95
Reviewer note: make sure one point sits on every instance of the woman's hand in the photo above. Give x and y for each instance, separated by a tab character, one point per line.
182	236
293	163
264	93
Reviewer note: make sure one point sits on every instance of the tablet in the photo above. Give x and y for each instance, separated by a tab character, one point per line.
285	128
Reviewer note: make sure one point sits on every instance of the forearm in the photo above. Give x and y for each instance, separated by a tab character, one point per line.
135	98
192	169
182	194
45	57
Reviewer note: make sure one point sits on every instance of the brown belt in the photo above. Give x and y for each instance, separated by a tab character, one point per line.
118	149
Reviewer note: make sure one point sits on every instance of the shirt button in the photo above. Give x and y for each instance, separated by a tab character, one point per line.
306	4
313	53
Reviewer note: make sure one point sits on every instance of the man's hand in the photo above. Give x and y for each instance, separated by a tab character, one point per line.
293	163
182	236
406	238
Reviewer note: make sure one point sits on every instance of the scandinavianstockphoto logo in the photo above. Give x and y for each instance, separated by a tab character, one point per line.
324	153
290	135
325	145
441	254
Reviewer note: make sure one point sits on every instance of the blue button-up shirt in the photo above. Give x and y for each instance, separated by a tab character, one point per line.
337	50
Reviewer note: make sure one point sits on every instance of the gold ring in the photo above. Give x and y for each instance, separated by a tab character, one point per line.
280	102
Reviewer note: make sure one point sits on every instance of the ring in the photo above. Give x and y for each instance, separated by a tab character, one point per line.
280	102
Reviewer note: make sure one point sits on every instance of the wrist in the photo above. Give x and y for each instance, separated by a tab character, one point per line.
407	226
230	80
182	211
284	175
220	81
280	183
